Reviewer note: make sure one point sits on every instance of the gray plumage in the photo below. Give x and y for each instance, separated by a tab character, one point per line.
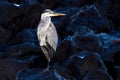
47	34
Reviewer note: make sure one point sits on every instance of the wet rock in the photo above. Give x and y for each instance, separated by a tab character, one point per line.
61	22
64	72
23	16
63	51
27	53
112	70
22	1
88	16
117	56
98	75
85	42
16	39
77	3
3	0
58	22
113	11
83	62
22	49
2	55
3	47
51	4
16	1
111	56
4	35
9	69
83	30
109	41
102	6
52	74
38	61
118	69
27	35
6	10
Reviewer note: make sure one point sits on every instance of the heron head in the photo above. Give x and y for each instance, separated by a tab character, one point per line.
48	12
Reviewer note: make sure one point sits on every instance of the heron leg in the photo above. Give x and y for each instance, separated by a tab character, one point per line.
45	51
51	55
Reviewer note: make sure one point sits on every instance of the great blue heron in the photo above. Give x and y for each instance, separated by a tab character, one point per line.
47	34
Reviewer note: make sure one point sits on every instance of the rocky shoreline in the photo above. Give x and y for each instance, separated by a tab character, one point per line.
88	47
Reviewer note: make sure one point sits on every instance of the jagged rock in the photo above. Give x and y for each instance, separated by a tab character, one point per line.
88	16
27	35
112	70
109	41
6	10
113	11
3	1
3	47
22	49
56	73
51	4
22	16
22	1
102	6
9	69
98	75
83	62
61	22
118	75
63	51
27	53
85	42
82	30
77	3
2	55
111	56
4	35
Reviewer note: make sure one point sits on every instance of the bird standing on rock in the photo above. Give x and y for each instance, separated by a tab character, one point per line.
47	35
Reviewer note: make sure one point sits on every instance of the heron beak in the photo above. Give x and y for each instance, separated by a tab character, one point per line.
58	14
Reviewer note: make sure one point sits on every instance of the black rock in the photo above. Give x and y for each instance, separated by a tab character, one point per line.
51	4
118	70
83	30
98	75
2	55
9	69
22	49
85	42
63	51
55	73
113	11
62	22
22	16
77	3
111	56
5	10
83	62
4	35
109	41
88	16
22	1
3	47
27	53
27	35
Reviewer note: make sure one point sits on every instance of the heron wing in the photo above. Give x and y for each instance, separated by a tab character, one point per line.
52	36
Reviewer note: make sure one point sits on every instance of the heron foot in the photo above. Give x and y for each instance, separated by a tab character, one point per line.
45	71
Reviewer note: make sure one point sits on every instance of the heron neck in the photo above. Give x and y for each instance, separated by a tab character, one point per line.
44	24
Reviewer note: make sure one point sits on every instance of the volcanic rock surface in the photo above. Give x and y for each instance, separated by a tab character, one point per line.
88	46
